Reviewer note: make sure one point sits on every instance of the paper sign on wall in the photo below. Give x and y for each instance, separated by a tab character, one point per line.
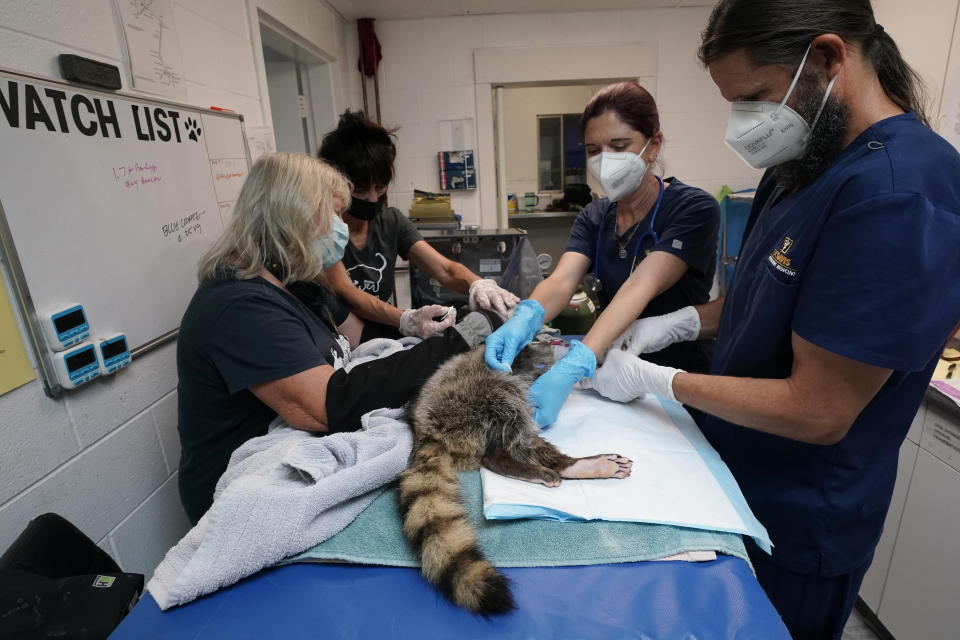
15	369
261	141
155	60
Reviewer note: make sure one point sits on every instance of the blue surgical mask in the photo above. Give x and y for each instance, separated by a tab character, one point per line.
328	249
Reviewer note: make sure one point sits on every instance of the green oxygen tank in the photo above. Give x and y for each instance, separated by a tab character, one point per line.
577	317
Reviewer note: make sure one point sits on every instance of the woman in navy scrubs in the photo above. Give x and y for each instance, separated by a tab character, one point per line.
843	297
649	247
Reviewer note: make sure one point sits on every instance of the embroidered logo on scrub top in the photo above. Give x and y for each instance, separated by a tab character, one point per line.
779	258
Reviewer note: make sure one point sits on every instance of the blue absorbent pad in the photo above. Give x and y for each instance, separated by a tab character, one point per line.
376	537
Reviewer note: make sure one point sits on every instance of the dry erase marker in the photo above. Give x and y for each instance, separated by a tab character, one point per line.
222	109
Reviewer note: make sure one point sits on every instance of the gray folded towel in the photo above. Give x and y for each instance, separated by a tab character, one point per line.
282	493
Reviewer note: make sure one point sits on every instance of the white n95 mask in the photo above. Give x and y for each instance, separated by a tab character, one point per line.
765	134
619	172
328	249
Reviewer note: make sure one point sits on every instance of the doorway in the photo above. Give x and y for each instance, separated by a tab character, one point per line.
300	88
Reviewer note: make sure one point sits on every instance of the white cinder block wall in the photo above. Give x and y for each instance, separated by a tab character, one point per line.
105	456
427	77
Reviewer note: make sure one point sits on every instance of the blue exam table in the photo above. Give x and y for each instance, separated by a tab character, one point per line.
649	600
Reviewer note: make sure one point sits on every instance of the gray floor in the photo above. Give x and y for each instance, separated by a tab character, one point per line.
857	629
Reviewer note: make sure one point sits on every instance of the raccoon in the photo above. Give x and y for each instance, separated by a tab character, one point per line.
466	416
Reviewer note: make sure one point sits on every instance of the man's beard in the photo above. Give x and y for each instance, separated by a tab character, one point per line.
826	140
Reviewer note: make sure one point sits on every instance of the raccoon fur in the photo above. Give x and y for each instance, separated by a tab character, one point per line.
466	416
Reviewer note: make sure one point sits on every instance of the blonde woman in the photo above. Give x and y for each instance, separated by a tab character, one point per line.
250	350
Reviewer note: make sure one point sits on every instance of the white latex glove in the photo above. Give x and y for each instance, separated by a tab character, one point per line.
420	322
624	377
647	335
487	294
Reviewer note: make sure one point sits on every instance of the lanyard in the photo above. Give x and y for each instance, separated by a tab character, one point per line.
649	233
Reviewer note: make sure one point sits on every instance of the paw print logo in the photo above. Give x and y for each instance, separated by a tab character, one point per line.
193	129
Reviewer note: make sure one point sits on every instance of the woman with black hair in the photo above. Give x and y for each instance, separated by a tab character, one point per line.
365	153
844	294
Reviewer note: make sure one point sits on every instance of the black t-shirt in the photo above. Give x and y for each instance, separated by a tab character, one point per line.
236	334
371	269
686	226
327	305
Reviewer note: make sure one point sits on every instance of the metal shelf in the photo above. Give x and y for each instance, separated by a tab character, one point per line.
543	215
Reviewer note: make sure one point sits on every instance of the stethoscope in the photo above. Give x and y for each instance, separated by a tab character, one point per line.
596	285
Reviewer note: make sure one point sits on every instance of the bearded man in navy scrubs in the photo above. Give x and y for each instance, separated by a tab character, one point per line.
846	289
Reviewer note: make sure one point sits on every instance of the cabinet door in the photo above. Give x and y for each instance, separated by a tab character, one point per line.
919	600
872	588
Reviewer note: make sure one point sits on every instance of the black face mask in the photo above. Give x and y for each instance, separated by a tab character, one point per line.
366	210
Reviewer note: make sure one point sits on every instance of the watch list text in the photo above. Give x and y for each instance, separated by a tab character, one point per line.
26	106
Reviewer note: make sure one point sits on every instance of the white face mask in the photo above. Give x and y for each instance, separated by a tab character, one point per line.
765	134
619	172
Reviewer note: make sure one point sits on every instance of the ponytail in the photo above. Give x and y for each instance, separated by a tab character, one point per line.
779	31
900	82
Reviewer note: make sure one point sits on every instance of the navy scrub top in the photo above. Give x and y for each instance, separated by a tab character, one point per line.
864	262
686	225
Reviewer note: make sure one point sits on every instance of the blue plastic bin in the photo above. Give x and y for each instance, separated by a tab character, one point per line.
734	211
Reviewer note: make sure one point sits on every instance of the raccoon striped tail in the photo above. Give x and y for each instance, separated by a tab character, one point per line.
435	522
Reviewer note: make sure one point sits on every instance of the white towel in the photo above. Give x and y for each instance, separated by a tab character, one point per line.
282	493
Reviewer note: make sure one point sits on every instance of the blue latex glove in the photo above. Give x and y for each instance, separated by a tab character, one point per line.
505	343
550	391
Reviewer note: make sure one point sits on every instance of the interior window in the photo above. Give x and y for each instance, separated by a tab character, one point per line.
560	160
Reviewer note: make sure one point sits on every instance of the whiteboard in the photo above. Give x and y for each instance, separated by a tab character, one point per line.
109	200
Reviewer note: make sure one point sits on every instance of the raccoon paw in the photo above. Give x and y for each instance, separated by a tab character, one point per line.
604	465
548	478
